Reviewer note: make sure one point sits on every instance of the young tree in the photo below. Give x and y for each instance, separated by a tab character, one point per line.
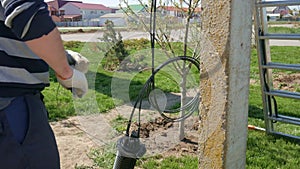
163	26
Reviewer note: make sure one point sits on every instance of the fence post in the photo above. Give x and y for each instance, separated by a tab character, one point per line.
224	86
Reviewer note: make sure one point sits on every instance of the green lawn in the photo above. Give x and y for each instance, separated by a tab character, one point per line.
263	151
279	29
266	151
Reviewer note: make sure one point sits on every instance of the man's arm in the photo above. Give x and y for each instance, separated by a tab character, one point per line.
50	48
33	25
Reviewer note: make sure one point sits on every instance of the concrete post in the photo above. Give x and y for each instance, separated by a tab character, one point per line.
224	86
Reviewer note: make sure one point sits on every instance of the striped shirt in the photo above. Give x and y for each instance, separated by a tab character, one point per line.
21	71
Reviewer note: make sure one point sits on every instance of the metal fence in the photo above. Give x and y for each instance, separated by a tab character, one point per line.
78	24
275	118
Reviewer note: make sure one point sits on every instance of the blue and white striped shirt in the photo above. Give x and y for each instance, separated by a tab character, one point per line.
21	71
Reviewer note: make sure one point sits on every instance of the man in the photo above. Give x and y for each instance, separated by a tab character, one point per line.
29	43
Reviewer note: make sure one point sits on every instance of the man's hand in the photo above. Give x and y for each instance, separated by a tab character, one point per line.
77	83
78	61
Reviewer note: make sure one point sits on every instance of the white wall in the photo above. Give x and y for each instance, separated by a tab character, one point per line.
70	9
91	14
87	14
117	21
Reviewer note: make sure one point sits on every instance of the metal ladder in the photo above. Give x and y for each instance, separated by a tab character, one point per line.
269	94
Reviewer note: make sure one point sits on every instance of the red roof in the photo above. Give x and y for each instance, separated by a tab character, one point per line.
170	8
91	6
56	4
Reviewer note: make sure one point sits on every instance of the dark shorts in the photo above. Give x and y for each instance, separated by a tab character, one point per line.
38	150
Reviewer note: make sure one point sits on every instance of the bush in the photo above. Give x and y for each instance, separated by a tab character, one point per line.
73	45
114	49
136	44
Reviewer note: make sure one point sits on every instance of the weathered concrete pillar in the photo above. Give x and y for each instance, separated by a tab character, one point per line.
224	86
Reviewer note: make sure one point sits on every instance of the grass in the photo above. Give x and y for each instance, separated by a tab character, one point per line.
171	162
267	151
279	29
119	123
282	22
263	151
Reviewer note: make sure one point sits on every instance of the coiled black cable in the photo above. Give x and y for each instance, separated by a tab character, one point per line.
189	107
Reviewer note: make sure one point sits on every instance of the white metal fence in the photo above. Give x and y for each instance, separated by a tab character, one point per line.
78	24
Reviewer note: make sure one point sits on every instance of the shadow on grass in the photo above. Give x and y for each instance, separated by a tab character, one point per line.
255	112
103	84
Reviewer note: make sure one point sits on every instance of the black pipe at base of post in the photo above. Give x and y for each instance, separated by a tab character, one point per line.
129	149
124	162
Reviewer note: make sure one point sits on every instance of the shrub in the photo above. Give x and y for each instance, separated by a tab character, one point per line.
114	49
73	45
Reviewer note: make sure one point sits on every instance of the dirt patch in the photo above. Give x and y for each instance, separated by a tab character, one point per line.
159	136
157	125
161	126
73	144
283	81
79	31
289	82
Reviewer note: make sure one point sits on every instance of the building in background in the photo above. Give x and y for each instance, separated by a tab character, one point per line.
135	8
54	9
62	11
282	10
118	19
87	11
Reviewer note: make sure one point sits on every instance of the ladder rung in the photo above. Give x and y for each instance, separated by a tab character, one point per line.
273	65
285	119
281	36
296	138
283	93
278	3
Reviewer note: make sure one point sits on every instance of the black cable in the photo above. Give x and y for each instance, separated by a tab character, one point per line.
129	146
152	34
192	104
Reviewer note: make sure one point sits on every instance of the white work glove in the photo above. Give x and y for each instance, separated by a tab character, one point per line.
77	83
77	61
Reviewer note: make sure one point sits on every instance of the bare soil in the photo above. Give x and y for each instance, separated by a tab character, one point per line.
79	31
158	134
73	144
289	82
